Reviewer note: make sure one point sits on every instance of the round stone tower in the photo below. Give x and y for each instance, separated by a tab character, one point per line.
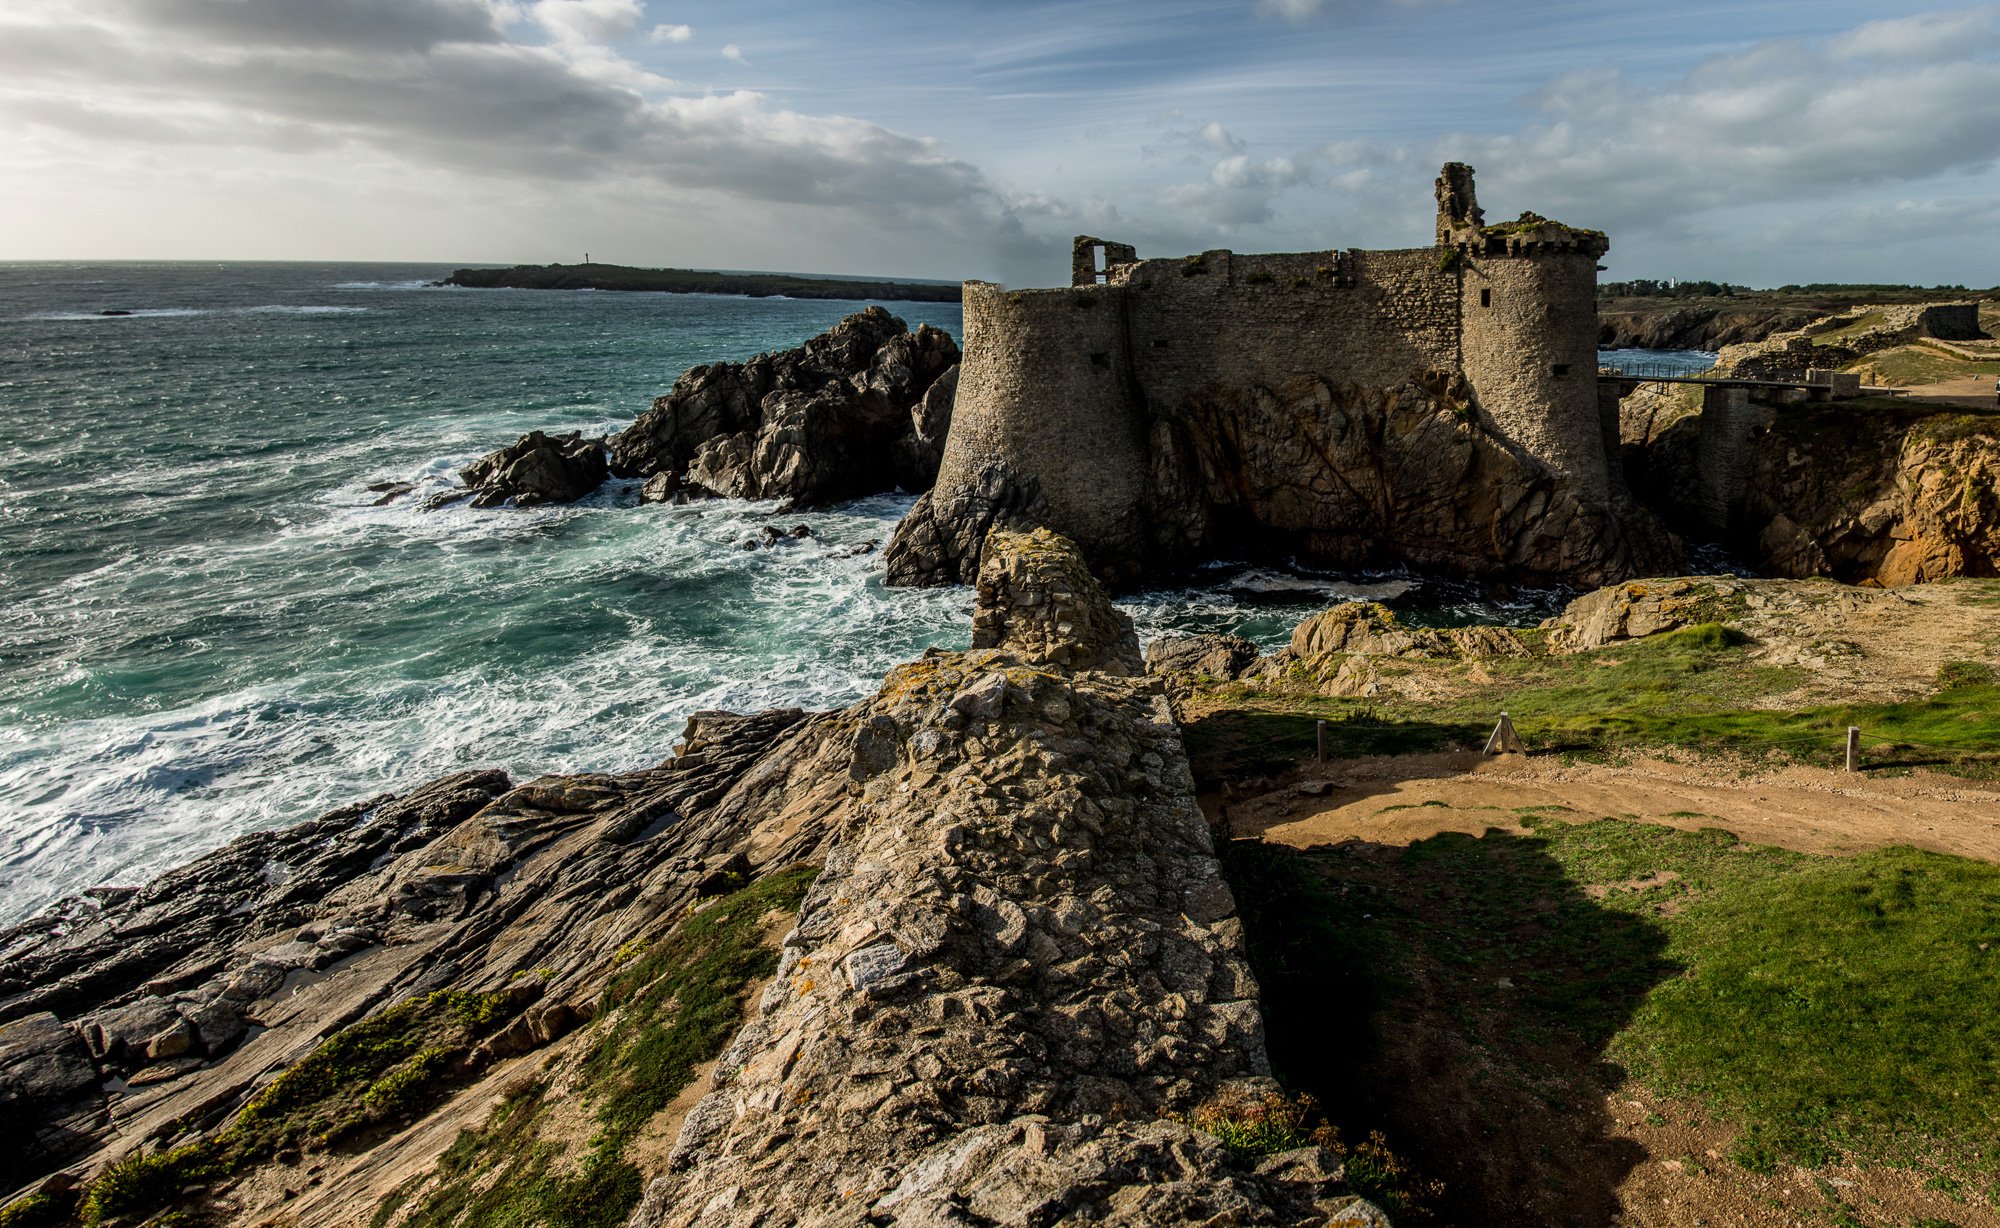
1528	331
1046	393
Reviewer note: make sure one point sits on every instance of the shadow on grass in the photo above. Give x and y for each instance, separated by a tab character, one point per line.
1458	994
1254	741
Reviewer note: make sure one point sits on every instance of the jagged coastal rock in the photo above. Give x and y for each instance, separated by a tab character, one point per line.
848	413
1436	407
537	469
1018	961
858	410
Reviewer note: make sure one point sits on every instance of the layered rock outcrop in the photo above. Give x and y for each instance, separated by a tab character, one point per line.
1343	475
849	413
1019	960
217	976
1020	950
1872	495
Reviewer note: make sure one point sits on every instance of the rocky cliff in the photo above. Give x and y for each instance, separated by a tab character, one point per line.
486	1002
1338	474
1695	328
1868	492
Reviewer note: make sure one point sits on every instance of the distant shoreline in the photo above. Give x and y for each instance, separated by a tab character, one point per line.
685	281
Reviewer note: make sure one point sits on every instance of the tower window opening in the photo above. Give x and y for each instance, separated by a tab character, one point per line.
1097	257
1559	370
1101	360
1162	344
1486	298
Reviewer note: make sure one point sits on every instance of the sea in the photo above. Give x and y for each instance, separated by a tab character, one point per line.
211	625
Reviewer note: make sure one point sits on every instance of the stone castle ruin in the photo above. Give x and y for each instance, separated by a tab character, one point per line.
1436	407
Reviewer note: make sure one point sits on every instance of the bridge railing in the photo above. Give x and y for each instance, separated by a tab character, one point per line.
1643	371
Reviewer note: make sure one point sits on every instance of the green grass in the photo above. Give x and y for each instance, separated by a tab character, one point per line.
389	1067
673	1005
1690	688
1834	1007
1918	365
1846	1006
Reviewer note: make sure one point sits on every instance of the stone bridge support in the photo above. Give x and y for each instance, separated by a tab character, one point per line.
1730	425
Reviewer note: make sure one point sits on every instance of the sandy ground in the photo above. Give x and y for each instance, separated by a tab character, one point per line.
1806	809
1972	392
1659	1161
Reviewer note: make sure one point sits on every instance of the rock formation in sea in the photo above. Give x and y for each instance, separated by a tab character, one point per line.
1015	968
536	469
848	413
861	409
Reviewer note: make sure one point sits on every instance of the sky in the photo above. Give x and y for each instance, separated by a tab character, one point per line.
1759	142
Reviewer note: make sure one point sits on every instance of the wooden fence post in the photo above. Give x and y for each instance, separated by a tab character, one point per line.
1853	748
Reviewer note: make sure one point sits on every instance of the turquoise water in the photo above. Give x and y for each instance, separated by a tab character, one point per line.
208	629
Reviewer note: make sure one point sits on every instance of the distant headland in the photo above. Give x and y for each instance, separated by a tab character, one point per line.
689	281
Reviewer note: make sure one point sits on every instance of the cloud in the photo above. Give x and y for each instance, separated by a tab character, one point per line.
671	34
1786	120
731	51
1290	10
1238	191
589	21
1922	39
437	84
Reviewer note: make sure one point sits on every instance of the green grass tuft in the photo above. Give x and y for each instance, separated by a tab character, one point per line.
673	1005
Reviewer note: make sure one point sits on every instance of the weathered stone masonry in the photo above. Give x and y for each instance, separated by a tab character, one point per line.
1115	410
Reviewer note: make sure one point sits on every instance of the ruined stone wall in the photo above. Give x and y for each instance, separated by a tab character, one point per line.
1161	410
1061	385
1224	321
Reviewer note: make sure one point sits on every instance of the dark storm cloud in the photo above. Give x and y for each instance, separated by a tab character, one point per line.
436	81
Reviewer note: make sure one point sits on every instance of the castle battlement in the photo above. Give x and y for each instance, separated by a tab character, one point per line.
1091	392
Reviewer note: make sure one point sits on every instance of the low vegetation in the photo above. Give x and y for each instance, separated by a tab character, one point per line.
1691	689
386	1069
1915	365
1833	1009
672	1006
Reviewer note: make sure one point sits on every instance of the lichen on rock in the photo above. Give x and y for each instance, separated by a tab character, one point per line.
1037	598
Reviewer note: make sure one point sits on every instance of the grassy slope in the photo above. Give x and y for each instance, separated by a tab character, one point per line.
1837	1008
1834	1007
1689	689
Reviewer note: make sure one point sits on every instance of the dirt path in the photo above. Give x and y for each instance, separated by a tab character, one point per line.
1396	800
1971	392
